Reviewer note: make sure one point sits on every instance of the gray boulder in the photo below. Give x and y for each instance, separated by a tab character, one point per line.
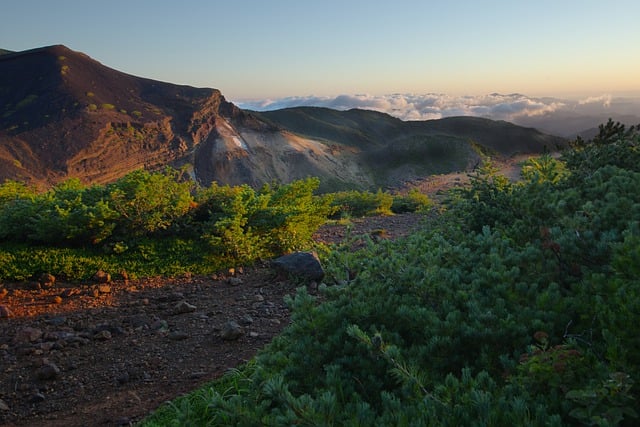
304	265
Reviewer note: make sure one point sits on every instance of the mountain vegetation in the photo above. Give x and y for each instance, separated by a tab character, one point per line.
516	305
148	224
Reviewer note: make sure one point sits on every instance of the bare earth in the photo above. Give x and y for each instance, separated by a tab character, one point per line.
107	355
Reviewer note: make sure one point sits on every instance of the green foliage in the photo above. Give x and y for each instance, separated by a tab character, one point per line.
445	326
544	169
362	203
413	201
149	224
148	202
12	190
245	225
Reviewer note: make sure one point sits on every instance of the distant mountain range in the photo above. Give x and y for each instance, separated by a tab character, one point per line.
63	114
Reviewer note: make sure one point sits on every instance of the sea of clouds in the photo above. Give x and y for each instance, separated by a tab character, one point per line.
559	116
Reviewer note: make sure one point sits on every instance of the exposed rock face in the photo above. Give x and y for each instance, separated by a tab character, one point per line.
63	114
70	116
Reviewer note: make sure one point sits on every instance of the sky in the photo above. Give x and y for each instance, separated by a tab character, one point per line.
263	51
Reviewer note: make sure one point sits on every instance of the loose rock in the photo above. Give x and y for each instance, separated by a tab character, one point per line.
234	281
102	277
5	313
48	371
47	280
103	335
184	307
178	336
27	335
37	398
305	265
231	331
104	289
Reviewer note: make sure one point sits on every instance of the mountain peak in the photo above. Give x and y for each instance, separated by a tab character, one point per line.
64	114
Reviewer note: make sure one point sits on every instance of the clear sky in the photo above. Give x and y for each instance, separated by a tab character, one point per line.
253	49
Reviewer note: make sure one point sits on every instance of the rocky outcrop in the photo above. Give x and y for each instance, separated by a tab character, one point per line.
63	115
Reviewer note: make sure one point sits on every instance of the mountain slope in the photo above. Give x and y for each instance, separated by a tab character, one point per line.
63	114
393	150
72	116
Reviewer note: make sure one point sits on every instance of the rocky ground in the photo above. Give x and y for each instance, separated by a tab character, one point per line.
107	354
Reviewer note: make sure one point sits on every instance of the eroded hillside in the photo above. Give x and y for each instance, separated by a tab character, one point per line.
63	115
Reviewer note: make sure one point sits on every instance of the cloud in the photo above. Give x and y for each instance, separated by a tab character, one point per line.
558	116
605	100
422	107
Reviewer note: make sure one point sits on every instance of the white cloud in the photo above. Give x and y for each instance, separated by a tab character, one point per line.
421	107
559	116
605	100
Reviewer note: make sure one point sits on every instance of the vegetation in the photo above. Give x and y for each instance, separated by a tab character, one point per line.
151	223
156	223
516	306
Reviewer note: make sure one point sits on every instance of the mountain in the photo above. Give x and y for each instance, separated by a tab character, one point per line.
63	114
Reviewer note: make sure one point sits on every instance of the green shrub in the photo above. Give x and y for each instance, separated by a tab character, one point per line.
413	201
245	225
362	203
516	306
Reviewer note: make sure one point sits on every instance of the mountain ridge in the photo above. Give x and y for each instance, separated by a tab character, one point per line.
64	114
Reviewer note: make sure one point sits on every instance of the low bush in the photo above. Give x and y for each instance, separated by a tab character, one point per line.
517	306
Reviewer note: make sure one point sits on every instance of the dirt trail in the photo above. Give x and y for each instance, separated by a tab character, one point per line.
107	355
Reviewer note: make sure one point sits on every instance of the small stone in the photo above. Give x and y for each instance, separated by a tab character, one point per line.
5	313
37	398
47	346
103	335
48	371
124	422
160	326
3	292
57	299
27	335
56	321
69	292
3	406
234	281
231	331
104	289
178	336
102	277
184	307
258	297
175	296
47	280
246	320
254	334
123	378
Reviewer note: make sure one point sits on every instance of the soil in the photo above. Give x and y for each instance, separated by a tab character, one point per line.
108	354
